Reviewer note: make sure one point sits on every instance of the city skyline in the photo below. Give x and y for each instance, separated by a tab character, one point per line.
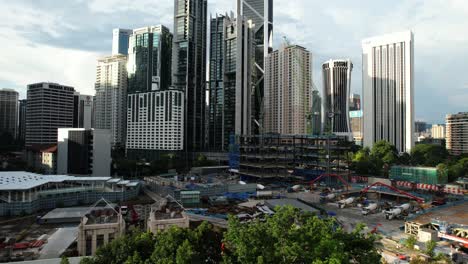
335	31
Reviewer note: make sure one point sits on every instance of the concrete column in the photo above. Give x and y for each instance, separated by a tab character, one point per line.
24	198
16	196
9	196
94	244
106	238
30	199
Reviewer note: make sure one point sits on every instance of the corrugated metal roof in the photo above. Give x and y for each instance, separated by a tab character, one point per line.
21	180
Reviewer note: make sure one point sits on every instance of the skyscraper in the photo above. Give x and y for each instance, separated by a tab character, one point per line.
457	133
315	115
8	112
336	91
189	66
22	120
50	106
354	102
255	42
154	110
111	93
82	110
288	87
388	90
222	81
120	39
438	131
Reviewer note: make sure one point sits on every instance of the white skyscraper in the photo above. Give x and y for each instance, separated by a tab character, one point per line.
288	87
388	89
111	94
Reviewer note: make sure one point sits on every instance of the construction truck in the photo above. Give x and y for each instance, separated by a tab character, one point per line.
370	209
345	202
397	211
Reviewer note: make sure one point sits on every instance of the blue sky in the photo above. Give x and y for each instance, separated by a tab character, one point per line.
59	41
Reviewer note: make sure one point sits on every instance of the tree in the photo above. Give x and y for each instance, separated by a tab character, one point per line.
291	236
410	242
64	260
385	152
428	155
430	246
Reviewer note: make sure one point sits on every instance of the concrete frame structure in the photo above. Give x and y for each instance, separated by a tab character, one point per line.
98	227
288	88
457	133
336	94
90	148
111	96
388	90
9	111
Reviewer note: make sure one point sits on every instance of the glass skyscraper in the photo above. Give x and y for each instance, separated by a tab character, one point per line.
189	66
222	82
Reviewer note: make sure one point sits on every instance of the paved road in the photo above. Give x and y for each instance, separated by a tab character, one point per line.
58	242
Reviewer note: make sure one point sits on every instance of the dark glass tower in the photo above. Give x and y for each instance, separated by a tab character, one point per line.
222	82
189	66
149	59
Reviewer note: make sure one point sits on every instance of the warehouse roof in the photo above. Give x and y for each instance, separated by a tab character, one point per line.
21	180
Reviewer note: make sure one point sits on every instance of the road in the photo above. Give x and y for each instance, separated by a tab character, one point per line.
58	242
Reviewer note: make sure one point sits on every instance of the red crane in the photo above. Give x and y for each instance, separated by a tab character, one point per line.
417	199
341	179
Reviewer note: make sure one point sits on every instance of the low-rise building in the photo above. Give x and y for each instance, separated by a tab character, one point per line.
98	227
42	158
166	214
25	193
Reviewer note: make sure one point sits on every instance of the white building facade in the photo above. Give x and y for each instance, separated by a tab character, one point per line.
155	120
111	93
288	87
388	90
438	131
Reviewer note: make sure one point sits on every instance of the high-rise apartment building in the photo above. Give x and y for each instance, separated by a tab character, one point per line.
254	43
83	151
388	90
189	66
355	120
82	110
438	131
155	117
288	87
9	112
120	40
111	95
336	94
457	133
50	106
222	81
22	120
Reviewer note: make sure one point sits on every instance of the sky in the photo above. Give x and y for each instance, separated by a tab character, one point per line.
60	41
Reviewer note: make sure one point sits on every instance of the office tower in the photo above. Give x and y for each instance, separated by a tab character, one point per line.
288	88
336	90
254	42
355	120
316	114
189	66
438	131
155	117
120	40
22	120
110	110
420	127
222	82
50	106
8	112
457	133
82	110
354	102
388	90
83	151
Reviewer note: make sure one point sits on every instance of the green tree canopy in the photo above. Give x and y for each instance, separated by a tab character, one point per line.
428	155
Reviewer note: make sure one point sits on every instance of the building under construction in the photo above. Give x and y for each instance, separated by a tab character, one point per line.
288	156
